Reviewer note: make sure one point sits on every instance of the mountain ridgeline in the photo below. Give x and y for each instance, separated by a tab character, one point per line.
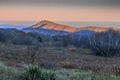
45	24
53	26
46	27
103	41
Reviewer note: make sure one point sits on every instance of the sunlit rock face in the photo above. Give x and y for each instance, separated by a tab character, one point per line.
53	26
98	29
94	28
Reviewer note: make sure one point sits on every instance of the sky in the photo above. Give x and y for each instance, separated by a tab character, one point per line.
60	10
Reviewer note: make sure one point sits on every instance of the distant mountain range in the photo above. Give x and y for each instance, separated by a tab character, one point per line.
46	27
45	24
5	26
42	31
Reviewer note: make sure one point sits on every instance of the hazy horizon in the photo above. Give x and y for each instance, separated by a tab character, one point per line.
70	23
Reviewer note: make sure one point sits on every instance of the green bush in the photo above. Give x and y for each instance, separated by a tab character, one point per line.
35	73
8	73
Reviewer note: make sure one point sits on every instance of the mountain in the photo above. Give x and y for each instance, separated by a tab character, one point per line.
98	29
49	25
93	28
46	27
83	33
5	26
45	24
43	31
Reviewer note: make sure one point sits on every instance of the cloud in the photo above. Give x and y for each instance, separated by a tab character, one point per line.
66	2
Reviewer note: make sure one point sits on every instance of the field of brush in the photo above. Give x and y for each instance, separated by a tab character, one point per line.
64	63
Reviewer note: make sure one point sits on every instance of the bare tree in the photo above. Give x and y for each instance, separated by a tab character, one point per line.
106	43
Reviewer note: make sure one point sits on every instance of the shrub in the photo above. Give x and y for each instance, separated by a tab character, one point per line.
68	65
35	73
40	39
7	73
115	69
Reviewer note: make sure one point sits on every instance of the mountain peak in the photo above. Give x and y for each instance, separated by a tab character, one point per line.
53	26
45	24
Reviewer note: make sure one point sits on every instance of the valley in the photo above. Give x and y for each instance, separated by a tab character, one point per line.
60	49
